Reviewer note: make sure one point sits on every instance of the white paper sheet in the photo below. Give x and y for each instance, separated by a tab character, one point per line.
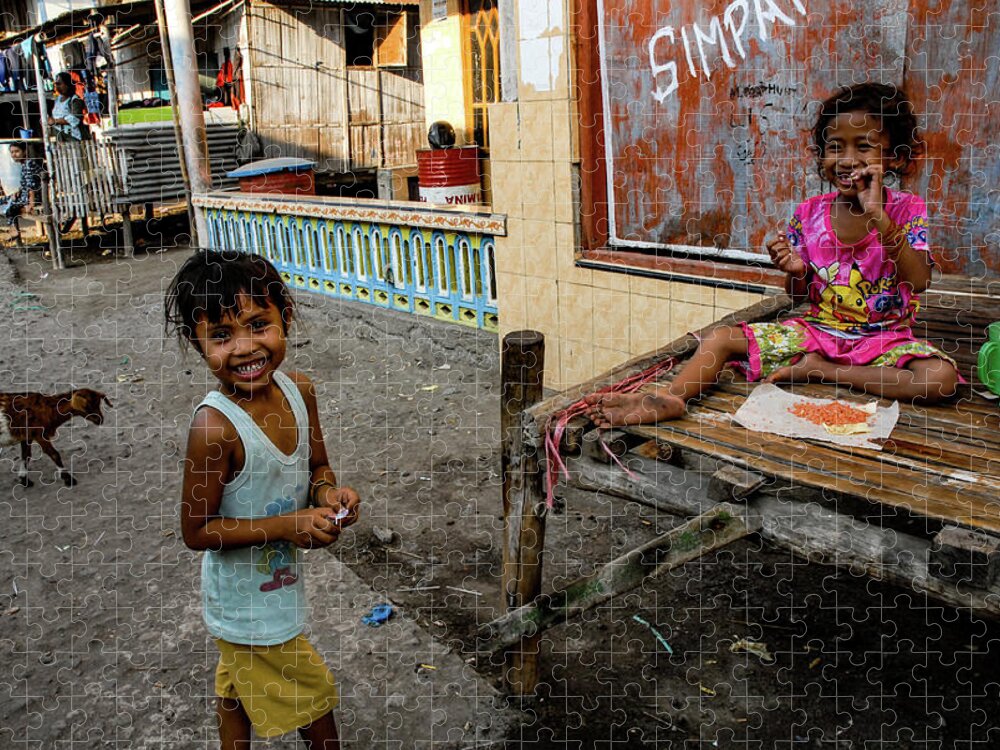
767	410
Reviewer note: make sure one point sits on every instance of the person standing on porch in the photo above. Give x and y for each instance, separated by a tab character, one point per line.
67	115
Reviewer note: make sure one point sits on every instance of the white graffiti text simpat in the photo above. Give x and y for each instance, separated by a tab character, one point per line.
725	32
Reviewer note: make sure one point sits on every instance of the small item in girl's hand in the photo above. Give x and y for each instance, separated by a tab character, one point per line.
836	417
341	515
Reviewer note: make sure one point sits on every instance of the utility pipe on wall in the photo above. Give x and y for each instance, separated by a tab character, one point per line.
190	109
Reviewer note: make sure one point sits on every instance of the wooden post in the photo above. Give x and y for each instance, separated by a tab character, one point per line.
25	119
128	239
190	108
348	164
168	69
48	210
521	375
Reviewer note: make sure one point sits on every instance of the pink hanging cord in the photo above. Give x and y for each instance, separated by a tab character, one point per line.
556	425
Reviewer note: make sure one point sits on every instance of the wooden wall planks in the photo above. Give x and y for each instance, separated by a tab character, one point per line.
302	87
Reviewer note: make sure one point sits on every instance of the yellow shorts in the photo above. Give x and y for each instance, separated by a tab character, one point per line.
282	687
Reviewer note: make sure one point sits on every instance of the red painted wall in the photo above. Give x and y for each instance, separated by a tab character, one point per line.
720	157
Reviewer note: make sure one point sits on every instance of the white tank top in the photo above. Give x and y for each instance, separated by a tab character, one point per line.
256	595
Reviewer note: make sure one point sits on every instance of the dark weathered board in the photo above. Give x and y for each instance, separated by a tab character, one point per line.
708	106
818	532
705	533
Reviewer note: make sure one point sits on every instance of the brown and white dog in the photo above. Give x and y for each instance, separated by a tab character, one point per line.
28	418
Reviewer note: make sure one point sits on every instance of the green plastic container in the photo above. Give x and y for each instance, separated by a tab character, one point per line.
989	359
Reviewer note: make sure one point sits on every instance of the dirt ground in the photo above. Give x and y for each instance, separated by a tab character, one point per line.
410	411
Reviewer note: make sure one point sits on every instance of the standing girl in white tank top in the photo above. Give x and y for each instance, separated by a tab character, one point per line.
257	487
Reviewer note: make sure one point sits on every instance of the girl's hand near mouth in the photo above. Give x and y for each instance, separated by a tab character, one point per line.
871	196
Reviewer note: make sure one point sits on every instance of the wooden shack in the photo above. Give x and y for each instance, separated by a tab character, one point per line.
337	82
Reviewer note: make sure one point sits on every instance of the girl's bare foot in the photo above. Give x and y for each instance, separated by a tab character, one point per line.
811	368
618	409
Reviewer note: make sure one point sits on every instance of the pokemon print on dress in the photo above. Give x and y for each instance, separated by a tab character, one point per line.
852	287
858	315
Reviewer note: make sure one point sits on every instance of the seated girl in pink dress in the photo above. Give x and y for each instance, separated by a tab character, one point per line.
858	254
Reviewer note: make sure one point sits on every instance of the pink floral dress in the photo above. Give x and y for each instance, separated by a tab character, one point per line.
860	314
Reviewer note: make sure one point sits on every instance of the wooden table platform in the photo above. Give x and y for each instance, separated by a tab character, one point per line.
884	511
942	461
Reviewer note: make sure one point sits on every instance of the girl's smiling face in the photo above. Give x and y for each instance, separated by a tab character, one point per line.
854	140
244	347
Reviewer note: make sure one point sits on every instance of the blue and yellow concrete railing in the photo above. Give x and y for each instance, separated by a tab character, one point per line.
435	261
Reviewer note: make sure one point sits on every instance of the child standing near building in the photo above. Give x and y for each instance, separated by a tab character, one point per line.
257	487
859	255
28	195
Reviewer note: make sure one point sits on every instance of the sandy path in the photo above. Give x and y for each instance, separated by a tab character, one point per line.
106	641
106	647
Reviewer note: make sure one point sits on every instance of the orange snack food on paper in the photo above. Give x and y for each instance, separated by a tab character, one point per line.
833	414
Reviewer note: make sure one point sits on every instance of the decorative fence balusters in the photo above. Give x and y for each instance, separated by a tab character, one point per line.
439	272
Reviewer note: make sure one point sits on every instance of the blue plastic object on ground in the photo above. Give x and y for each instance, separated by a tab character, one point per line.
380	614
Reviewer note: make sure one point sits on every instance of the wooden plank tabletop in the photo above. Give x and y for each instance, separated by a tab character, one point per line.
942	461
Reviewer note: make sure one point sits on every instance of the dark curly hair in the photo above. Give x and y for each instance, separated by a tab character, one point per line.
210	283
888	103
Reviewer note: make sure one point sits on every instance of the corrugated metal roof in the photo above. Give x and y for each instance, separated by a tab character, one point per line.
127	12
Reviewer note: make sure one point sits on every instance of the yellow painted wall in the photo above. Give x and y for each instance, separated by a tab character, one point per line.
592	320
441	50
